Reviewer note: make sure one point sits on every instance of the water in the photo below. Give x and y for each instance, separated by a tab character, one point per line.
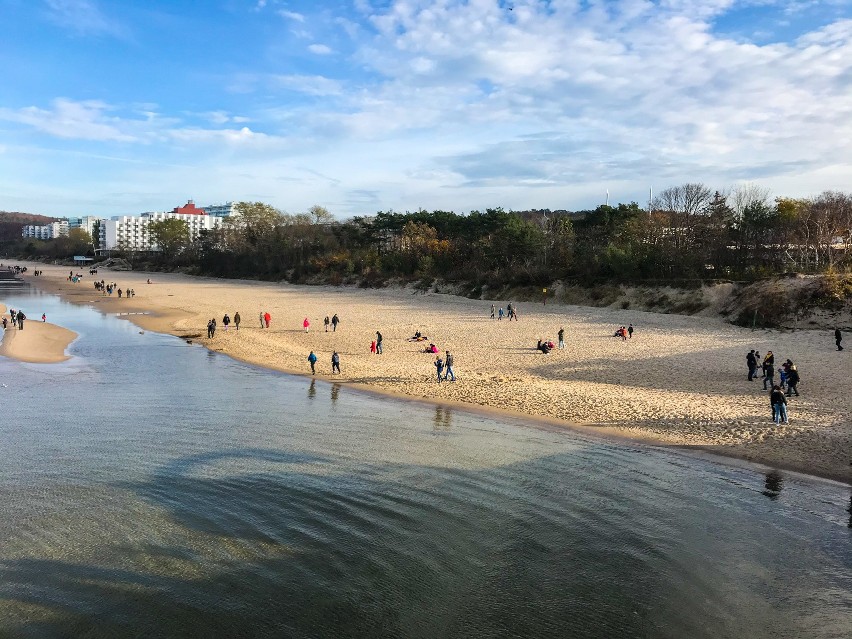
152	488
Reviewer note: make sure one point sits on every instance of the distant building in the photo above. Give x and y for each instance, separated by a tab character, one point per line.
188	209
86	223
47	231
130	233
228	209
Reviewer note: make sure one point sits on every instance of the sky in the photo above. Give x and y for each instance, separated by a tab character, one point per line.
119	107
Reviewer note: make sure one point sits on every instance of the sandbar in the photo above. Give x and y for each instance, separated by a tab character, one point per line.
681	380
39	342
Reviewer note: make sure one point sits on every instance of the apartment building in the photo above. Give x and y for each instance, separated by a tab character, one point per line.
228	209
129	232
46	231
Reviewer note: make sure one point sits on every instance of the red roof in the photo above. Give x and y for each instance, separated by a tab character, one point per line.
189	209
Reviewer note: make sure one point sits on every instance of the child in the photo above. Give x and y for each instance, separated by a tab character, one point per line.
782	376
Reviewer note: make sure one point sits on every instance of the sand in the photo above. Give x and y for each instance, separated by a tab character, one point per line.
680	381
39	342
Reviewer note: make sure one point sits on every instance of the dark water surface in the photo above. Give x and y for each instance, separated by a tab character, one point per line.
150	488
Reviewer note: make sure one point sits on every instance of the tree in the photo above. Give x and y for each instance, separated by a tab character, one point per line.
171	236
320	215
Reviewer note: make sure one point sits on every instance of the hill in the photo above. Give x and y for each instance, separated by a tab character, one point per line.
12	221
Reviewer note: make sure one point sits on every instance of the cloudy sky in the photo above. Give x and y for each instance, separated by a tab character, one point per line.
118	107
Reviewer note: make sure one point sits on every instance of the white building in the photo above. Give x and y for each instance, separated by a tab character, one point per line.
228	209
86	223
47	231
128	232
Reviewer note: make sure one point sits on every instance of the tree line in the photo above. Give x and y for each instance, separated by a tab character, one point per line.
687	232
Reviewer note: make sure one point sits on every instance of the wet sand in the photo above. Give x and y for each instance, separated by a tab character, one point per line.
679	381
39	342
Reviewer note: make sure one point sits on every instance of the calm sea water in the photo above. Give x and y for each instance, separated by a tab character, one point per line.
151	488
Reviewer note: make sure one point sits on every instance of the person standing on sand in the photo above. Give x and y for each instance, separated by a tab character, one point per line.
43	317
492	311
779	405
261	319
630	331
334	322
769	371
267	318
312	358
757	357
792	380
373	347
4	322
500	314
561	336
335	363
325	323
439	366
449	367
307	324
378	343
226	321
838	337
751	362
237	320
211	328
21	318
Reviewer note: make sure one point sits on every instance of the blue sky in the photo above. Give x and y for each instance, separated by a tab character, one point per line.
120	107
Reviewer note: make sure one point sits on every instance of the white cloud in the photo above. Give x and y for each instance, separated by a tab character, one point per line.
320	49
82	16
316	85
291	15
87	120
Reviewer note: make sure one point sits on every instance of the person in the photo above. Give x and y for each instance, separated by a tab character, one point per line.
261	319
267	318
119	293
779	405
561	336
43	317
334	322
768	370
838	337
226	321
21	318
149	281
439	366
630	331
211	328
782	376
431	348
492	311
335	362
757	357
751	362
307	324
500	314
792	380
449	368
326	322
543	347
623	333
4	322
237	319
312	358
373	347
378	343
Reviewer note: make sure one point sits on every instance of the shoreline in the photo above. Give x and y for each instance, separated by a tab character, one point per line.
39	343
541	388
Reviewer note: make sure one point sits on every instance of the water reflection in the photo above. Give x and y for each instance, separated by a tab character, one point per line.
312	389
335	392
442	419
850	511
774	483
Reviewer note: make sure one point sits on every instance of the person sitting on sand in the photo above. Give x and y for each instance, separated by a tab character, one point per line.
543	347
431	349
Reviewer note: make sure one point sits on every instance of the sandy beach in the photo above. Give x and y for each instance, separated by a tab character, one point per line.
39	342
680	380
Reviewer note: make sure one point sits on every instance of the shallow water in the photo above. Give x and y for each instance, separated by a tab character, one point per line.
153	488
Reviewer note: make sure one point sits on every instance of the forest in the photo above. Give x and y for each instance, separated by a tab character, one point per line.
687	232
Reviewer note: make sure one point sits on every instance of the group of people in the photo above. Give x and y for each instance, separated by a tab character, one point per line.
335	362
511	311
624	332
333	322
17	318
445	367
788	379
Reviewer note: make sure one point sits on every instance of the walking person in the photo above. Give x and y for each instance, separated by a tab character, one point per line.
792	380
267	318
439	366
211	328
326	322
630	331
448	364
307	324
373	347
838	337
335	363
561	336
779	405
500	314
237	320
43	317
751	362
334	322
492	311
21	317
226	321
312	358
768	370
378	343
261	319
